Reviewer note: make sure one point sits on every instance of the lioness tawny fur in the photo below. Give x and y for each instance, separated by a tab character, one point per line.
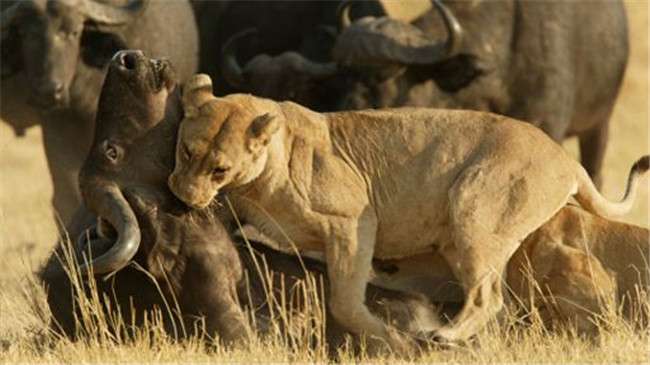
383	184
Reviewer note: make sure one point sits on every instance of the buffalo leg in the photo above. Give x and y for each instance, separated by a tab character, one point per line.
593	144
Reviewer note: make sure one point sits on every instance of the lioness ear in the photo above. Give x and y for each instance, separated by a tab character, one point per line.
196	92
261	130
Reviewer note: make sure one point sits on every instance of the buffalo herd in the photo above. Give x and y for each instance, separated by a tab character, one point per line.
110	120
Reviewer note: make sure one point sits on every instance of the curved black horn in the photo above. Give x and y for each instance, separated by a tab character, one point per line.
317	70
113	15
231	69
385	41
343	14
454	30
91	242
114	208
433	52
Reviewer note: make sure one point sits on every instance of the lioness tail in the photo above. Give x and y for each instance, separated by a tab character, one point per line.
590	199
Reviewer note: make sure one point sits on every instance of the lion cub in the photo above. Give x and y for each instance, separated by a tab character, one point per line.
382	184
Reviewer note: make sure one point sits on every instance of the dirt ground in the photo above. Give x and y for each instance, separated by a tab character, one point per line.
27	230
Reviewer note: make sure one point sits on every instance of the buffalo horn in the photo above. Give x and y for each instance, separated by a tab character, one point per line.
231	69
320	70
436	52
114	208
454	30
343	14
433	52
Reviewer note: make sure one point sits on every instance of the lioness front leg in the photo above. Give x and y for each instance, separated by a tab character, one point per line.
349	261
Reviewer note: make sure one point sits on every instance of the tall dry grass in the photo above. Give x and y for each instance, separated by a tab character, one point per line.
27	235
297	334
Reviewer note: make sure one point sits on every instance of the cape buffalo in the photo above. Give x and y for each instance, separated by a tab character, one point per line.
123	181
53	57
542	62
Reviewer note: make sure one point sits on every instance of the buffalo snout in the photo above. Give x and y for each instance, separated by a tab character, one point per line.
50	94
53	90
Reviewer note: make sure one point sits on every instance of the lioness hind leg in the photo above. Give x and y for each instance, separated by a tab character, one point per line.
478	262
492	207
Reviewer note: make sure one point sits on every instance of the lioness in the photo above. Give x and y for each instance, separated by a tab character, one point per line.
382	184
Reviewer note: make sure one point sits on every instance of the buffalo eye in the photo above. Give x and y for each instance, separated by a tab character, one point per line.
112	152
219	172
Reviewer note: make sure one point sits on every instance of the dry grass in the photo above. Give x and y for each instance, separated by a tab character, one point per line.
27	234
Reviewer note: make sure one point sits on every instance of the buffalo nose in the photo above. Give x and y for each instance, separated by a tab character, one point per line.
128	58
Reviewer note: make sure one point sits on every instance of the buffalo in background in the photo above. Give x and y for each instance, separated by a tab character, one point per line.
537	61
54	54
558	65
301	26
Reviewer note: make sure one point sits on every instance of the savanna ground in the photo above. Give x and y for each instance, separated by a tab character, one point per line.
27	234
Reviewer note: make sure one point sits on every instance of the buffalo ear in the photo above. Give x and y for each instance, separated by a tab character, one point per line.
261	130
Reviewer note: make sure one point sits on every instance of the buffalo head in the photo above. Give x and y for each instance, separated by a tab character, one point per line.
50	37
287	76
382	47
137	118
366	51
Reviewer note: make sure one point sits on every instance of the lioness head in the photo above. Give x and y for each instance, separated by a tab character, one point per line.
221	143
